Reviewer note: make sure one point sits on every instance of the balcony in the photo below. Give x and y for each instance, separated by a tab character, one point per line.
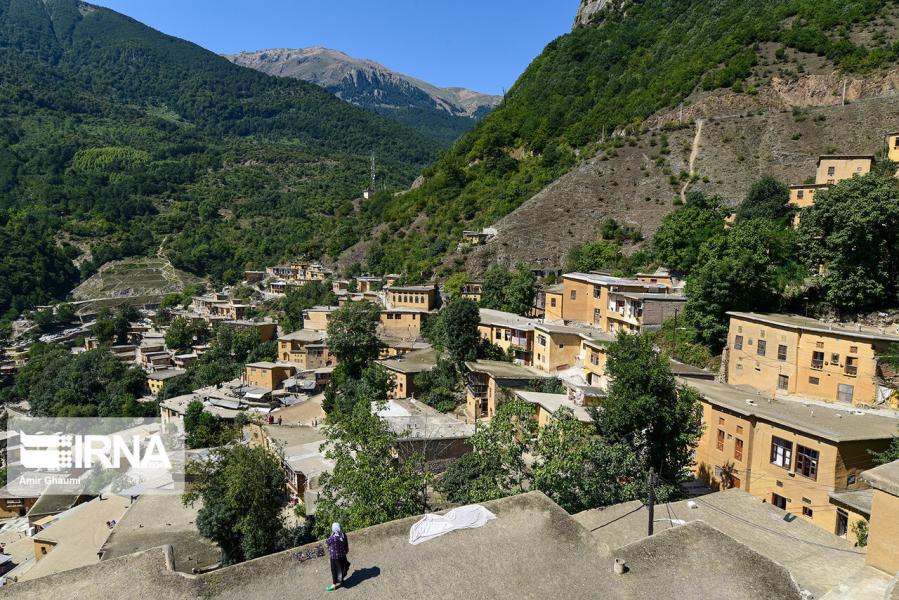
851	370
477	390
817	364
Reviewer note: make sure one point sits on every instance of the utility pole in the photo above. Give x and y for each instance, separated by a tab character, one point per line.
652	500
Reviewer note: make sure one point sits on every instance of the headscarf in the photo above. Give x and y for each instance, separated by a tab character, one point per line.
335	528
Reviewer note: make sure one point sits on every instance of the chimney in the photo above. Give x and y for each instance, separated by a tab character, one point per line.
620	567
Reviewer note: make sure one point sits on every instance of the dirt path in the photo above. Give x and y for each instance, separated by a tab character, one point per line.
694	152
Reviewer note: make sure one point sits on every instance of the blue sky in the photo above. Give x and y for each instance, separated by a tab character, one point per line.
479	44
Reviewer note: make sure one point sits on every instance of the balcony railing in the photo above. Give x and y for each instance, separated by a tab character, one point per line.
817	364
851	370
477	390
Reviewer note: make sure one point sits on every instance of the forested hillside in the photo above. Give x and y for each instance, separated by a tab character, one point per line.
633	61
116	139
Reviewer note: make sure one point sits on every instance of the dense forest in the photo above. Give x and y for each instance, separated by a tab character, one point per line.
632	62
116	139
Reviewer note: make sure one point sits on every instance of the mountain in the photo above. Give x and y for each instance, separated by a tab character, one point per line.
117	140
442	113
606	122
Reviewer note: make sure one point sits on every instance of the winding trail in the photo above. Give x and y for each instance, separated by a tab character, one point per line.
694	152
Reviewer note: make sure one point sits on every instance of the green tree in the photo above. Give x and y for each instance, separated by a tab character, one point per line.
180	334
889	455
299	299
370	483
745	268
122	322
493	290
344	393
767	199
579	470
352	336
647	410
852	229
496	465
594	256
519	293
461	319
104	328
682	234
453	285
437	387
242	491
205	430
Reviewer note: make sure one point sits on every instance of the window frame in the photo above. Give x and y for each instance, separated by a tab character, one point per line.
786	453
807	462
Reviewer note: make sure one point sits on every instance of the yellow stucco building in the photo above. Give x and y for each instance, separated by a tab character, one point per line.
510	332
833	169
306	348
787	453
486	382
892	142
883	536
419	297
790	354
267	375
316	318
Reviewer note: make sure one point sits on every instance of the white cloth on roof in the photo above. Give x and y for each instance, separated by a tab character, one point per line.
465	517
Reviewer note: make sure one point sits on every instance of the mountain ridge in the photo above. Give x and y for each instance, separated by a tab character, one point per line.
371	85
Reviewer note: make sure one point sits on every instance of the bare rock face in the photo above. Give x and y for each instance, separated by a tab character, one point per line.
586	11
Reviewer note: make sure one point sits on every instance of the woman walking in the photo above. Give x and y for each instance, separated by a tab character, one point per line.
338	548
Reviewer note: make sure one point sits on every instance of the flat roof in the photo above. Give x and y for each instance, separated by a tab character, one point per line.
504	370
499	318
292	435
658	297
411	288
553	402
584	331
857	500
884	478
808	324
411	362
833	424
303	335
158	519
264	364
846	157
534	549
414	420
321	308
165	374
600	279
805	186
817	559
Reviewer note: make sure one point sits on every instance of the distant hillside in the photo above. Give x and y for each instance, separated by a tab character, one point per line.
442	113
589	128
117	138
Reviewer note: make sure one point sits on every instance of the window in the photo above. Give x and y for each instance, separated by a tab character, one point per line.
831	170
781	352
739	429
541	339
499	334
720	442
853	349
720	420
807	512
760	350
594	359
807	462
851	365
834	357
851	480
597	291
800	194
552	302
819	344
817	360
783	382
738	342
574	294
735	482
845	392
842	522
779	501
781	452
814	380
738	449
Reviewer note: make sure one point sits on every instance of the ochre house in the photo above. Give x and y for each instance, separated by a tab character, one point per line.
405	368
403	323
418	297
316	318
790	354
511	332
833	169
486	381
306	348
787	453
884	526
614	304
267	375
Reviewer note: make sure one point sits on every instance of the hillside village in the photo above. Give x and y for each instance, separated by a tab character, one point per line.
704	404
793	428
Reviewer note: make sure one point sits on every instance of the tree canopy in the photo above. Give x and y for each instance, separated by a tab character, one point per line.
767	199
